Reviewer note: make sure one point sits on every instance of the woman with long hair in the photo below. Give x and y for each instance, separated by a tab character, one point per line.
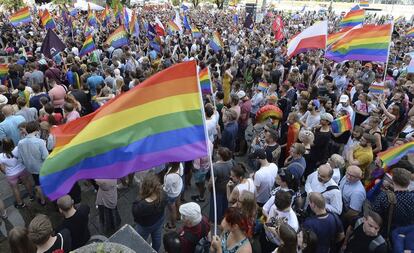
234	238
288	238
19	241
238	183
148	210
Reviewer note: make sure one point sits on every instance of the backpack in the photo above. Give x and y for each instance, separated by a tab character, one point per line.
202	245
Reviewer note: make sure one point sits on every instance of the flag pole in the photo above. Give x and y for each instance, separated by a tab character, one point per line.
210	153
388	52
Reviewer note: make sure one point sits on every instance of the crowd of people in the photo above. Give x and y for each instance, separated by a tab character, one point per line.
283	184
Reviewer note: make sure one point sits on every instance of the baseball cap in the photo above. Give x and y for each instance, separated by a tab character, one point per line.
241	94
258	154
343	99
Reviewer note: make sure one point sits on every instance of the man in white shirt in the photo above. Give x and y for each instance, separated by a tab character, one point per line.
321	181
344	105
212	118
265	177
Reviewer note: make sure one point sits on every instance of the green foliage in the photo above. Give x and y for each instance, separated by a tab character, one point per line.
62	2
12	5
175	2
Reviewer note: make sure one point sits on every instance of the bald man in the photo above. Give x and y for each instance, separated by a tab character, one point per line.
321	181
353	193
9	127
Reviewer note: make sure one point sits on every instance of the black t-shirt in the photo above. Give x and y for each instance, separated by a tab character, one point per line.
78	226
359	242
146	213
66	244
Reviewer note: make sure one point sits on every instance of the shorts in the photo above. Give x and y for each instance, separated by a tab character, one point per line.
36	179
13	180
199	176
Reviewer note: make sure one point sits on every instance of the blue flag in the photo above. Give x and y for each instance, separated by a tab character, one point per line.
186	23
236	19
355	8
151	32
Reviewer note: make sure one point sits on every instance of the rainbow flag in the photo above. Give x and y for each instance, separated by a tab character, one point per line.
21	17
369	43
392	155
173	26
47	20
216	43
134	26
88	46
154	123
353	18
341	124
4	70
205	81
376	89
195	32
91	17
410	33
106	16
118	38
333	37
263	86
364	3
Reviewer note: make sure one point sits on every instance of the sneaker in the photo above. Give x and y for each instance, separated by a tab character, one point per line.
19	206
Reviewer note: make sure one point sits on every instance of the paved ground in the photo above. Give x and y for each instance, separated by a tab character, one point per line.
23	216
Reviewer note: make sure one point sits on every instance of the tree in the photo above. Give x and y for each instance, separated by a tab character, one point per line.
12	5
219	3
195	3
62	2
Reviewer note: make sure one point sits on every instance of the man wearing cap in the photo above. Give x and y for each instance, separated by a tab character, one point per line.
362	155
195	226
245	108
344	104
264	178
367	76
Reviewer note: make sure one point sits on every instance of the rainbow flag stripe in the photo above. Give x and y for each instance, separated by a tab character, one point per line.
335	36
376	89
118	38
353	18
21	17
133	25
205	81
105	16
154	123
341	124
392	155
364	3
4	70
410	33
263	86
195	32
369	43
216	43
47	20
88	46
173	26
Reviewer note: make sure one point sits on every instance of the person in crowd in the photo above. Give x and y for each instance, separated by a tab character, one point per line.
42	235
321	181
57	96
235	231
264	178
148	210
327	226
307	241
195	226
9	126
19	241
312	117
336	162
173	186
362	155
171	242
201	167
400	197
296	163
14	171
364	235
353	193
70	113
106	200
229	135
239	182
76	220
32	152
29	114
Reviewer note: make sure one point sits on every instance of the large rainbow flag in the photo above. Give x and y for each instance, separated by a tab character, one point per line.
333	37
21	17
47	20
173	26
118	38
88	46
205	81
154	123
195	32
369	43
105	16
410	33
353	18
216	43
133	25
392	155
91	17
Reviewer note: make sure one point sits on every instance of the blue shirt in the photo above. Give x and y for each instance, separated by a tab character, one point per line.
32	153
9	128
326	229
93	81
297	168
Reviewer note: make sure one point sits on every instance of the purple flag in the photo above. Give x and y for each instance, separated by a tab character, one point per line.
52	45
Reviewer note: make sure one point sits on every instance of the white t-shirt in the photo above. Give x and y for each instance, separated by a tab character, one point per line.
292	220
12	165
211	125
173	184
247	186
264	180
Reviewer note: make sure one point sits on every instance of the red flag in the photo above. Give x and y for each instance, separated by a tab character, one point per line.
278	28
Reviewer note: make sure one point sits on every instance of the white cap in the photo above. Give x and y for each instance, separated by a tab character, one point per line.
3	100
343	99
241	94
192	212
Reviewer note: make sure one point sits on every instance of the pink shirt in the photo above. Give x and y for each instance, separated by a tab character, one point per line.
57	95
72	116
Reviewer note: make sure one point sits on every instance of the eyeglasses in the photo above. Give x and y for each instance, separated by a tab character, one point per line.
352	176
